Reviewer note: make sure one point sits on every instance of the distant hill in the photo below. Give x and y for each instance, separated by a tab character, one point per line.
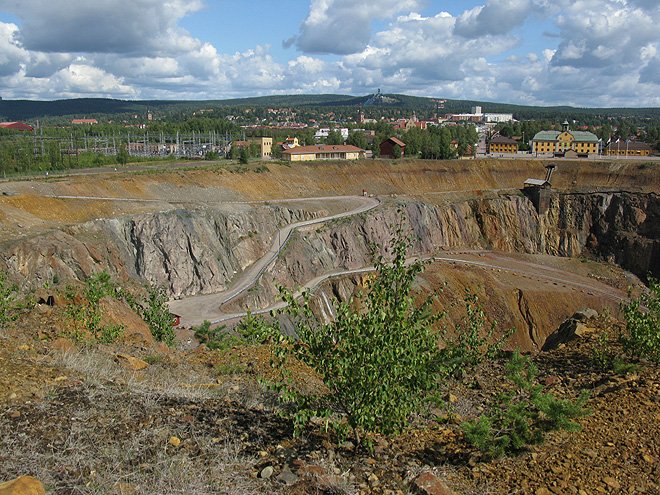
29	110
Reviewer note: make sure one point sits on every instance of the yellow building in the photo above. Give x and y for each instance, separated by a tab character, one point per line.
631	148
265	145
581	142
502	144
323	152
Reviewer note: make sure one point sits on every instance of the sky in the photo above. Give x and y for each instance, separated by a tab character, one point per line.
583	53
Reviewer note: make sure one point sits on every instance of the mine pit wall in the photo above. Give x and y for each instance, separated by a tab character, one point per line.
197	251
187	251
622	228
618	227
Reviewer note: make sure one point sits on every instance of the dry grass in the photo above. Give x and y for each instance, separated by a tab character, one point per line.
160	380
99	438
108	431
143	462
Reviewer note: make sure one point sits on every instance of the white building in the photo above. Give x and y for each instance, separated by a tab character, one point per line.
498	117
324	132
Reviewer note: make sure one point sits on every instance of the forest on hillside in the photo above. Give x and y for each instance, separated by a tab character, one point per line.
62	111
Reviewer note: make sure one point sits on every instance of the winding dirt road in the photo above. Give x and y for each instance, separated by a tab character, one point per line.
492	260
196	309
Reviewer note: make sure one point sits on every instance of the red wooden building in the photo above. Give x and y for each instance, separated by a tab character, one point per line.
387	147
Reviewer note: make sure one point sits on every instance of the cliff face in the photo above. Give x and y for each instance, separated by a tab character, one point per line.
198	251
622	228
187	251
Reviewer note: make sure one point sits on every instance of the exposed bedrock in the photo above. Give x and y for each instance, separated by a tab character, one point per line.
622	228
188	251
198	251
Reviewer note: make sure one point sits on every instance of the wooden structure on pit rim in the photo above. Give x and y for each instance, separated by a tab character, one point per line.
539	191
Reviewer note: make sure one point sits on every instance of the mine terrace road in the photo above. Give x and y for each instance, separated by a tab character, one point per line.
195	310
492	260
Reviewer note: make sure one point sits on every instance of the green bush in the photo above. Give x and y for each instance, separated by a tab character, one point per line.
215	338
98	286
377	364
524	416
642	315
155	312
84	325
212	155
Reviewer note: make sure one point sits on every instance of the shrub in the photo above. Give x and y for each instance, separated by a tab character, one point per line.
255	329
642	315
98	286
524	416
377	364
215	338
154	311
84	325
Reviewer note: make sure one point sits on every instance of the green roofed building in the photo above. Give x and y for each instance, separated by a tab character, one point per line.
580	142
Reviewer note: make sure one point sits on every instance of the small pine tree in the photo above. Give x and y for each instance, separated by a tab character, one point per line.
524	416
244	156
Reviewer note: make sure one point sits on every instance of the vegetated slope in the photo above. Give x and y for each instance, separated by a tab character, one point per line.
58	406
198	422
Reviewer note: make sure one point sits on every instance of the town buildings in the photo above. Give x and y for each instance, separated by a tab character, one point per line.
478	116
16	126
86	121
565	141
627	148
502	144
387	147
323	152
325	132
265	145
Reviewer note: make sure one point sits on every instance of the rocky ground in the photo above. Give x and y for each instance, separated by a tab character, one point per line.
83	419
136	417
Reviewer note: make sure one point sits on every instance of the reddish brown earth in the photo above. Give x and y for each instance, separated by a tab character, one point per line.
65	422
199	422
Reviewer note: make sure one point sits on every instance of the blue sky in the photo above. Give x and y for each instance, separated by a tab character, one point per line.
541	52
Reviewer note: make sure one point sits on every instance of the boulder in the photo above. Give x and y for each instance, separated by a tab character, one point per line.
130	362
25	485
428	483
571	328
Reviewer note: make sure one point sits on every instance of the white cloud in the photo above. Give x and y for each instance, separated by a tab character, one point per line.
343	27
12	56
80	79
495	17
104	26
601	53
